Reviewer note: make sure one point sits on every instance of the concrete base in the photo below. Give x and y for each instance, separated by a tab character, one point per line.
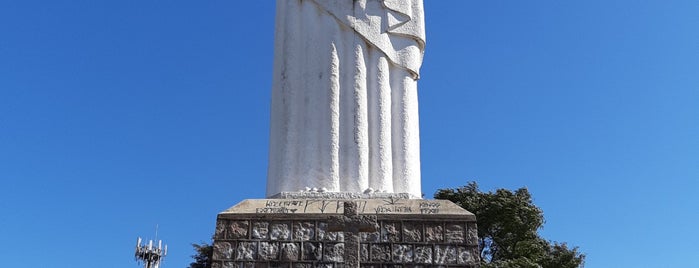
293	233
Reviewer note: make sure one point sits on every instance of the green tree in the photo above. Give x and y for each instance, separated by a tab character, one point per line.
508	224
202	258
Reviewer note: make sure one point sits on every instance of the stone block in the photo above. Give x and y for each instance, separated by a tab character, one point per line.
246	251
412	232
260	230
304	231
423	254
248	265
324	235
230	264
223	251
268	251
467	256
278	265
390	232
369	237
454	233
381	252
280	231
334	252
445	254
363	253
472	233
238	230
434	232
220	232
312	251
403	253
290	251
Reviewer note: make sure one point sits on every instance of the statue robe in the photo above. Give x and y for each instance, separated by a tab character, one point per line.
344	96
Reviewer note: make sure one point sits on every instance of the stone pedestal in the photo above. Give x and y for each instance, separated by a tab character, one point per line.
294	233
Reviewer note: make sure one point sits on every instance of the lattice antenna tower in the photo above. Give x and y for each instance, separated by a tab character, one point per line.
149	255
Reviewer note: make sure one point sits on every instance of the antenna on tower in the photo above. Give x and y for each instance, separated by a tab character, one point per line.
148	254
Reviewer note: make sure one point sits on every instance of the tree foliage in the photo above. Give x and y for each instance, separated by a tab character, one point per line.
508	224
203	256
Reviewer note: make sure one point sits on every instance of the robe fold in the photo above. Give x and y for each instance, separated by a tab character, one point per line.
344	96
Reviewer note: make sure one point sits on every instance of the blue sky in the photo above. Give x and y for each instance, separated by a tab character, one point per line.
116	116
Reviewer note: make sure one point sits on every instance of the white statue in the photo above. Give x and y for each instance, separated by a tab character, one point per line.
344	96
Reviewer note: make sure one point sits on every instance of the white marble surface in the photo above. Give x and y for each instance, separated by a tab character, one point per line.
344	97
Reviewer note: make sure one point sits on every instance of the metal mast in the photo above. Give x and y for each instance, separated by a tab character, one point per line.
149	255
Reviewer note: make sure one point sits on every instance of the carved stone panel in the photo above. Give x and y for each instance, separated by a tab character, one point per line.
303	240
290	251
455	233
280	231
304	231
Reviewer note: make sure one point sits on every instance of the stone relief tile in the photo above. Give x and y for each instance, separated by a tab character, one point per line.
304	231
476	253
230	264
268	251
381	252
390	232
260	230
423	254
220	232
246	251
434	232
472	233
363	253
278	265
324	235
369	237
237	230
455	233
312	251
402	253
466	256
334	252
444	254
412	232
303	265
223	251
280	231
290	251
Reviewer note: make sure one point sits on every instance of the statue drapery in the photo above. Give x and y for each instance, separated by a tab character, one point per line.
344	99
